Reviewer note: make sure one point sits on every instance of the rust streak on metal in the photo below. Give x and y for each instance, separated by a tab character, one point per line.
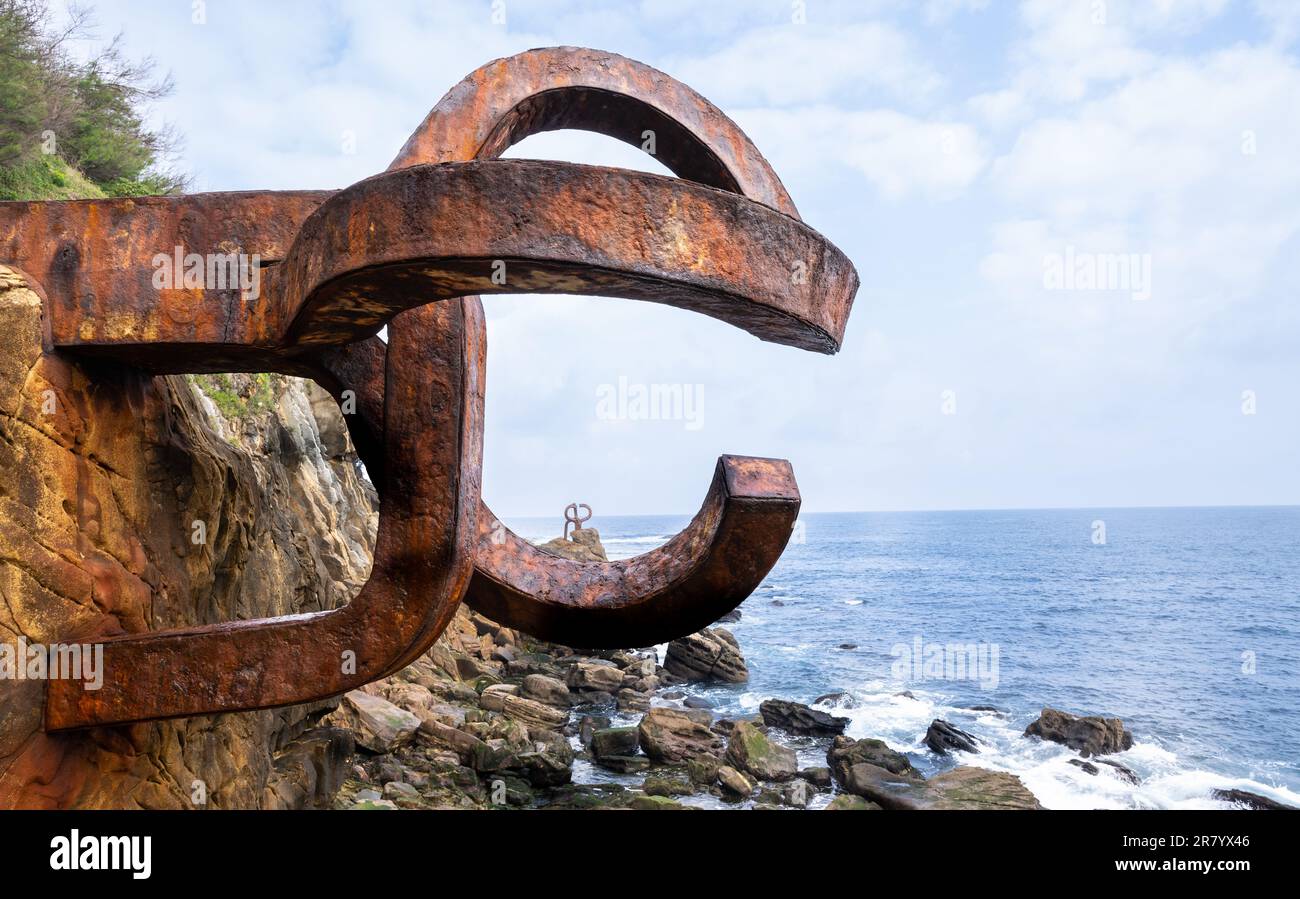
337	266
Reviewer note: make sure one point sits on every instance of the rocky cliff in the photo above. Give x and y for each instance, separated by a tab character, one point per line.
132	503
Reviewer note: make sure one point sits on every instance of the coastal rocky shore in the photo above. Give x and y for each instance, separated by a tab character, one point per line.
490	718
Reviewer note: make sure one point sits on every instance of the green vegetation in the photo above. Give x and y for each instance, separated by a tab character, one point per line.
240	396
71	128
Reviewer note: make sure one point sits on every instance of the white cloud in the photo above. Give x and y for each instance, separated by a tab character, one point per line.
784	65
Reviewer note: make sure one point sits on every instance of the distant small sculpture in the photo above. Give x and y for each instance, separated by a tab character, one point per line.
571	516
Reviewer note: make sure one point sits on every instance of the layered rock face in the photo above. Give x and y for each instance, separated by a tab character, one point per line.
131	503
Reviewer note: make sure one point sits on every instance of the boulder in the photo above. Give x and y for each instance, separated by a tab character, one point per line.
961	788
1252	801
582	545
818	777
979	788
1121	772
633	701
589	725
846	802
655	804
734	783
376	723
750	750
667	786
493	698
798	718
674	736
549	766
614	741
546	689
624	764
1089	735
703	769
596	676
844	753
532	713
465	745
708	655
944	738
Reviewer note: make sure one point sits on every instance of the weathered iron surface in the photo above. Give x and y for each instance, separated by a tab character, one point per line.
447	216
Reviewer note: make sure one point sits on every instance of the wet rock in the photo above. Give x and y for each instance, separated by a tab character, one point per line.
532	713
614	741
979	788
734	783
633	701
818	777
659	785
730	617
695	702
844	753
1252	801
708	655
599	676
593	699
376	723
1121	772
961	788
793	795
1089	735
674	736
589	725
655	804
549	766
624	764
846	802
703	769
944	738
546	689
839	699
798	718
750	750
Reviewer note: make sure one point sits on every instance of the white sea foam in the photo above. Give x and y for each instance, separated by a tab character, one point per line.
1167	782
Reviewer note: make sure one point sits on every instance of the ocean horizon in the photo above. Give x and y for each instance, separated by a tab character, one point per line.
1181	621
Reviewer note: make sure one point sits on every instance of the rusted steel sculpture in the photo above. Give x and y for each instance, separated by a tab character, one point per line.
445	218
572	516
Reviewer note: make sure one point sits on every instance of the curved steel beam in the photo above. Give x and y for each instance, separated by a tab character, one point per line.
693	580
364	255
514	582
423	559
550	88
434	232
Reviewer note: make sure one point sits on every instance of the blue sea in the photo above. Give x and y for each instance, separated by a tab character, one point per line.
1183	622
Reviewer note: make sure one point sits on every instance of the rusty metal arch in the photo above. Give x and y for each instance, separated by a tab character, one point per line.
338	281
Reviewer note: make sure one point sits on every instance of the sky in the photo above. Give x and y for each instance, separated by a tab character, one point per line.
975	160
